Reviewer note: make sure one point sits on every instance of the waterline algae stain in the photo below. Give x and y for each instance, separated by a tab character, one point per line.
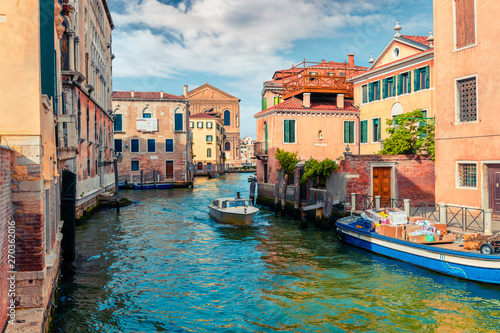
164	265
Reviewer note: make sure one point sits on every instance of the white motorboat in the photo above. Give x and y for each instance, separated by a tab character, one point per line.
239	212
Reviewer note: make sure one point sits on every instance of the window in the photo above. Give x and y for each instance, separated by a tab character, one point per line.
364	131
395	52
209	152
277	100
404	83
364	94
227	118
191	124
209	138
88	166
349	131
118	145
169	145
289	131
264	104
376	130
467	175
199	124
467	99
118	123
179	119
421	80
134	165
146	113
320	135
151	145
209	124
389	87
374	91
218	127
134	145
227	146
465	23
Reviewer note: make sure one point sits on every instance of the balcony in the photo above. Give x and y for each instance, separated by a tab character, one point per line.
261	151
323	77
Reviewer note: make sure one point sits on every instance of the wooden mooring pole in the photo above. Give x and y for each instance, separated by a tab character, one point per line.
283	195
252	190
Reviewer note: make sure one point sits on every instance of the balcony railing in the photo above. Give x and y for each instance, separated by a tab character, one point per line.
261	150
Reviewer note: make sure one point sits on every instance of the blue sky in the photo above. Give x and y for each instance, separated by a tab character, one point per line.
236	45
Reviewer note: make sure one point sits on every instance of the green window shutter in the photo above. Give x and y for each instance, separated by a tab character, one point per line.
351	132
292	130
379	127
384	88
393	86
286	131
378	91
364	131
427	77
346	132
264	103
409	83
400	84
370	92
416	80
118	123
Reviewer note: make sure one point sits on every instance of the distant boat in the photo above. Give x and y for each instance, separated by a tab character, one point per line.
212	175
238	212
149	186
252	177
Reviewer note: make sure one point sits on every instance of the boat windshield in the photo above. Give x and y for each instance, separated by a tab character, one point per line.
240	203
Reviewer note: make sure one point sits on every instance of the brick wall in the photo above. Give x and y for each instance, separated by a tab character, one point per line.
415	176
5	218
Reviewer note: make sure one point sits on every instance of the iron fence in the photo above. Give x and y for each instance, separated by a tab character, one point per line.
467	219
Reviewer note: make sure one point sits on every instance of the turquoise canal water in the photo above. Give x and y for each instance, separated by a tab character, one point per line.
163	265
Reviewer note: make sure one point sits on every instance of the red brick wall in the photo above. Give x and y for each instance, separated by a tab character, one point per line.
415	177
5	218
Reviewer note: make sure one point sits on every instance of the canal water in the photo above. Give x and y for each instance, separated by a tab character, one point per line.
163	265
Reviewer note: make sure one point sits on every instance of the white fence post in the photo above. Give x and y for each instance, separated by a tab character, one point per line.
353	202
487	222
406	204
442	213
377	202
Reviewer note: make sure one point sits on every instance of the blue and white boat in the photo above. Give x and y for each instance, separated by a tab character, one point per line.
448	259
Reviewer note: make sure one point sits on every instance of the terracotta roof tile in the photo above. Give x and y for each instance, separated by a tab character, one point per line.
145	95
323	104
418	39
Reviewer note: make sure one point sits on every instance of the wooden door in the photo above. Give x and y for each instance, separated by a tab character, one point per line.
494	181
382	182
169	174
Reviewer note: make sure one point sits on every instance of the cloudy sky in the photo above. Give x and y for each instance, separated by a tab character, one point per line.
236	45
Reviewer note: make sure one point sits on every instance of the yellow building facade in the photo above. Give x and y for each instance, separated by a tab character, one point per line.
400	80
207	132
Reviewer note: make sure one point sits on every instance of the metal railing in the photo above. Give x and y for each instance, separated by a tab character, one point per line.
466	219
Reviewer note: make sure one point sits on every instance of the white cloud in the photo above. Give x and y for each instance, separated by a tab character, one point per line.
233	38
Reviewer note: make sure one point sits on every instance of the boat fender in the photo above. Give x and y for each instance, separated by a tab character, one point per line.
340	235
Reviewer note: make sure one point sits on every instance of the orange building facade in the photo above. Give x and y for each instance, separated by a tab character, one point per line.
467	133
400	80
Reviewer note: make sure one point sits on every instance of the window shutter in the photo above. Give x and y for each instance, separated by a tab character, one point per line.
346	132
378	90
370	92
409	83
275	100
364	131
379	127
264	104
384	88
400	84
427	77
178	122
118	123
292	130
416	80
286	131
394	86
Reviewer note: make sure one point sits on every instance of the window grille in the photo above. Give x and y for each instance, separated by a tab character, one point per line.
467	98
467	175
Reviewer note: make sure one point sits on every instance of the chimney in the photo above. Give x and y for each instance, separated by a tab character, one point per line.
186	90
131	94
340	101
161	94
306	101
350	56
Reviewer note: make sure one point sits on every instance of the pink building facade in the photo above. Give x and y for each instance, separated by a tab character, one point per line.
467	134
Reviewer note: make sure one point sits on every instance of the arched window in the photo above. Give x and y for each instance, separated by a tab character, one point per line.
320	135
265	137
179	120
146	113
227	146
227	118
209	152
199	166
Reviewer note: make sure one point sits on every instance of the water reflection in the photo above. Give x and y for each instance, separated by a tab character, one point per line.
164	265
